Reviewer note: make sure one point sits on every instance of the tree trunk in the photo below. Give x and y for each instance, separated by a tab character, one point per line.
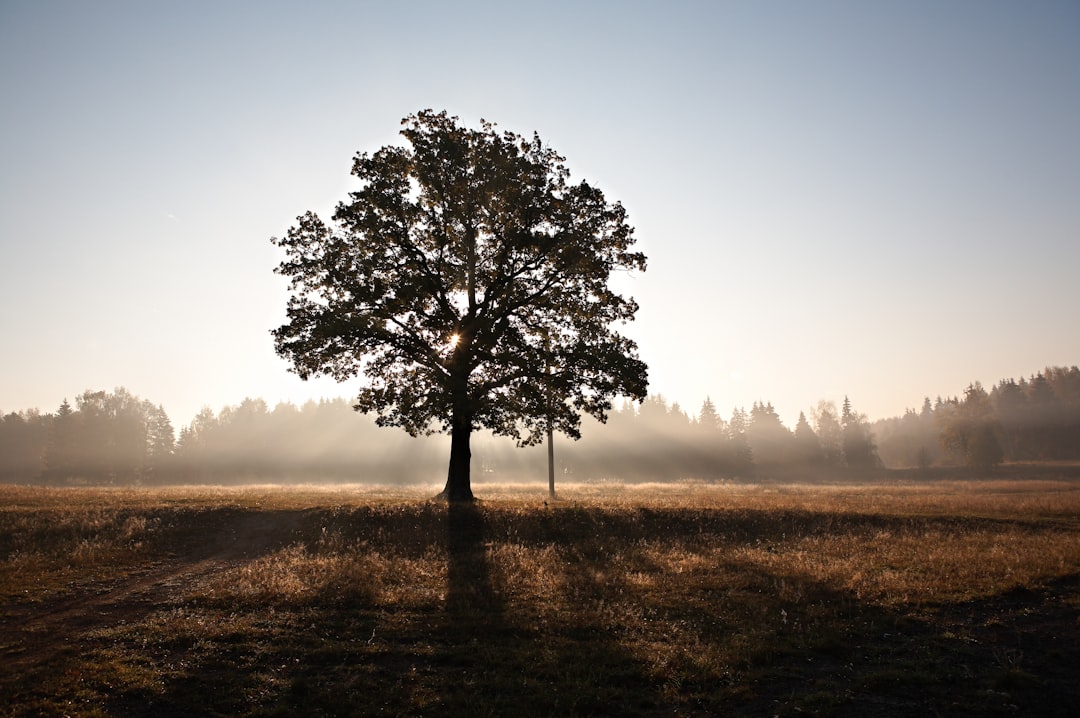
551	461
458	486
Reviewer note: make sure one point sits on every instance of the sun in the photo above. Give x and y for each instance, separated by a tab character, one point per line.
453	341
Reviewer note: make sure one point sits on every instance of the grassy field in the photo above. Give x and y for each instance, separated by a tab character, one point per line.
894	599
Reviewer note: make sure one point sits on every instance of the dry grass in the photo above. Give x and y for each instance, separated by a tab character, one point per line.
896	599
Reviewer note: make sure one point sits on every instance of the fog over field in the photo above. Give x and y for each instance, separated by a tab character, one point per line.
115	437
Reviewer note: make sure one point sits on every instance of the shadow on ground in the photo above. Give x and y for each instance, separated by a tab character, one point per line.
577	611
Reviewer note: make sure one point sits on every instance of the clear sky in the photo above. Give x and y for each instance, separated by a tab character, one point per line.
877	199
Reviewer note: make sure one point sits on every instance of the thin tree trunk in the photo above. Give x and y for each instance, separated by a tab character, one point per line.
551	461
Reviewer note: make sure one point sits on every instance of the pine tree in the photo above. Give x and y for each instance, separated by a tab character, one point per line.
742	454
708	419
858	444
60	449
160	440
807	447
830	433
769	438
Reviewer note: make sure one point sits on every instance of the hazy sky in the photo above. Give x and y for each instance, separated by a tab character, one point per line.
865	198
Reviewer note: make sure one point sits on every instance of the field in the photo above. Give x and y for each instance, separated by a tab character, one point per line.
892	599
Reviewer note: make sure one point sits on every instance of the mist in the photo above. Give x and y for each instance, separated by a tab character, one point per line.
118	438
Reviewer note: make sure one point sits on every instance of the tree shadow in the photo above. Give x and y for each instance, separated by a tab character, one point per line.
509	665
470	596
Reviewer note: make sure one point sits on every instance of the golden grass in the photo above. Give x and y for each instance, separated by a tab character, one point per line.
632	599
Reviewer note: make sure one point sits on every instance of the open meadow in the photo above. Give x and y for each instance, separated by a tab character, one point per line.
893	598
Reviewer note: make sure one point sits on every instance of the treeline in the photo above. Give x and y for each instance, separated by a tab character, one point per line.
106	436
658	441
115	437
1033	419
320	440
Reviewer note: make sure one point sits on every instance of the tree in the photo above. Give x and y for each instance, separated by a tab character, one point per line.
58	452
1011	407
769	438
108	436
23	440
738	427
829	432
807	447
708	443
160	439
708	420
466	282
858	443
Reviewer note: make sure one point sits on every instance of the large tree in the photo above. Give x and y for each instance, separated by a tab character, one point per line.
467	283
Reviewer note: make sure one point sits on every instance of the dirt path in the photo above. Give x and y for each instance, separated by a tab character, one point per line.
35	634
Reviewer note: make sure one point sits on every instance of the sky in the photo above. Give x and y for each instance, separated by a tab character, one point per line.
873	200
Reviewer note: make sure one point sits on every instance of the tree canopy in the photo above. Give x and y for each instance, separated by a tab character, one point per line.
467	283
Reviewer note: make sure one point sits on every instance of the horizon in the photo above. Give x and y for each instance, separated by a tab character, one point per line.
835	200
619	404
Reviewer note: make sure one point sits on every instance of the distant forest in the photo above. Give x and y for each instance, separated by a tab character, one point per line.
117	438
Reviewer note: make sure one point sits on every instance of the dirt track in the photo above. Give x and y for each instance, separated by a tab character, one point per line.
35	633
